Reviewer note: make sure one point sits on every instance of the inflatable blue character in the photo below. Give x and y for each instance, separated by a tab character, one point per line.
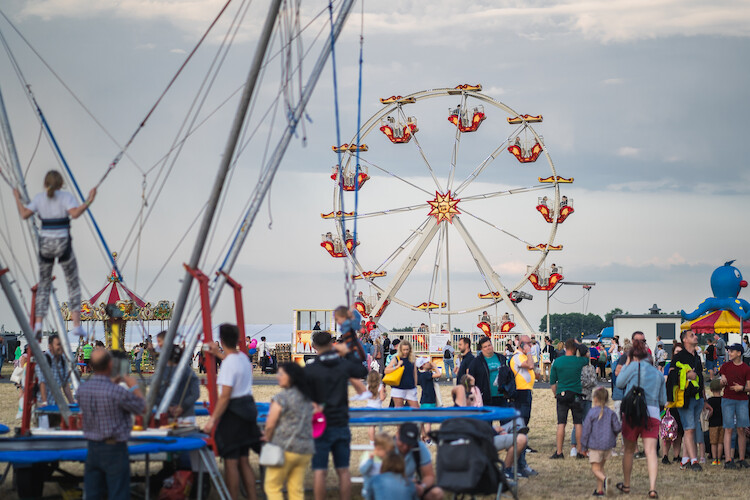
726	283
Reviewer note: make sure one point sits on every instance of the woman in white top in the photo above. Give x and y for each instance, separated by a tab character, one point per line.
55	208
235	415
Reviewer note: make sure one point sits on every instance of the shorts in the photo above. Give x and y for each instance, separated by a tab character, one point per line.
710	364
716	435
662	363
650	430
599	456
690	414
568	400
503	441
335	440
428	405
407	394
731	408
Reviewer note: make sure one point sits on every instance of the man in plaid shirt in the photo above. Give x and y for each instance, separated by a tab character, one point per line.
106	410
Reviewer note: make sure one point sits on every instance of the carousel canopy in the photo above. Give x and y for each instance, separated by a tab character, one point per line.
717	322
116	300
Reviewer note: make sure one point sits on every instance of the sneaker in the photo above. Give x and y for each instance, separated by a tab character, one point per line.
696	467
665	460
684	465
528	472
639	454
598	493
79	331
677	459
731	465
606	485
714	462
702	460
743	463
573	452
580	456
508	471
557	456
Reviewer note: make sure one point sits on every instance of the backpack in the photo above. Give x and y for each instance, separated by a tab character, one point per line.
634	409
506	381
467	461
668	427
447	354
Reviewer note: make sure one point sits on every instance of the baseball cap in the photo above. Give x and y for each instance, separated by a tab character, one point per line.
735	347
321	338
421	362
408	434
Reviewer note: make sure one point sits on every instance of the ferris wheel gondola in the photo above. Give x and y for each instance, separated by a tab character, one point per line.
440	207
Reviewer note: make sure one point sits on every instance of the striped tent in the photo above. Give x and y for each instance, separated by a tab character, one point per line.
717	322
115	291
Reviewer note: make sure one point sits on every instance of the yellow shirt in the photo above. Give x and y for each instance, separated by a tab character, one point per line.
525	378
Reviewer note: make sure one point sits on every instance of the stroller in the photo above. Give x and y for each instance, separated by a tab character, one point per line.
467	461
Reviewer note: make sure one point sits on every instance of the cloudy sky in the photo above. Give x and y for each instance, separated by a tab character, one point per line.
644	104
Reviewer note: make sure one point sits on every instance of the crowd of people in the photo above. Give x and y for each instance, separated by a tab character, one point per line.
659	400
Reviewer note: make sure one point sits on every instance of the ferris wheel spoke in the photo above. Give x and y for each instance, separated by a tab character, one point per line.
486	269
456	144
506	192
504	231
413	236
385	171
426	236
495	153
367	215
436	266
429	167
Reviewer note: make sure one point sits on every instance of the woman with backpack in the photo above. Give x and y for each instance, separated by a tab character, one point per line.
645	393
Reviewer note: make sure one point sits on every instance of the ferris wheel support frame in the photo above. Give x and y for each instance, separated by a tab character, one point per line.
393	287
486	269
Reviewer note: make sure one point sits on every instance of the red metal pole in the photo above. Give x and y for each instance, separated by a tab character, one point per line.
238	308
28	387
207	335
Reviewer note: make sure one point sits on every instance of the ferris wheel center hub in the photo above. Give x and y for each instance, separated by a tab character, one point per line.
444	207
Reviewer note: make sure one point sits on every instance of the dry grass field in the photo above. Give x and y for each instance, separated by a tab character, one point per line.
568	478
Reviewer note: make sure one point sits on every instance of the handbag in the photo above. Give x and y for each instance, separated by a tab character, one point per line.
394	378
668	427
272	455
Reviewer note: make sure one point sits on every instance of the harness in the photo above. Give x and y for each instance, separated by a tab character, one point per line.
59	223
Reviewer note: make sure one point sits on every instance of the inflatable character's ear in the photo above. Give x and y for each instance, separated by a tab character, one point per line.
729	263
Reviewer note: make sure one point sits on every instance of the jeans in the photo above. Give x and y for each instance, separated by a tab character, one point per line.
449	368
292	472
107	472
586	404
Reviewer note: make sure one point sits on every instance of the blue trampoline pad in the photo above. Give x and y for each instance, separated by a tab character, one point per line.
29	450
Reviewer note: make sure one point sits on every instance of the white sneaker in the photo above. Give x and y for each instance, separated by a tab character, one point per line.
78	331
573	452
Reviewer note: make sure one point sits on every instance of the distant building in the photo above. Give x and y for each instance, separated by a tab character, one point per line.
666	326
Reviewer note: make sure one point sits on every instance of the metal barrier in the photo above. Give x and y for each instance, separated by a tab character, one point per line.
420	341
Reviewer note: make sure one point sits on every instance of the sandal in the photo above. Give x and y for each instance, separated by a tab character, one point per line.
623	489
653	494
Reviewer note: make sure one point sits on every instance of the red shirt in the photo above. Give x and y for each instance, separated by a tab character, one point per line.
735	374
370	325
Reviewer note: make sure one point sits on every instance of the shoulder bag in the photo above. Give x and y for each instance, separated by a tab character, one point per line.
272	455
394	378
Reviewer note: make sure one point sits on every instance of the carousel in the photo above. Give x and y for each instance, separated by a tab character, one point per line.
115	305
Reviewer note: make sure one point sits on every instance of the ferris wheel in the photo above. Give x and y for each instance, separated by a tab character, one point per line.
459	204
